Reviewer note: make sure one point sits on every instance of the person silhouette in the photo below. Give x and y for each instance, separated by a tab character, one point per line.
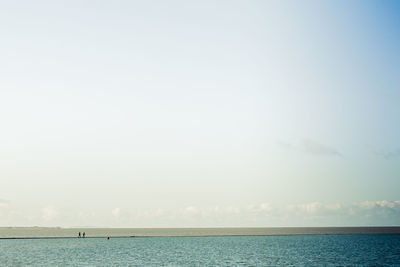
79	234
83	235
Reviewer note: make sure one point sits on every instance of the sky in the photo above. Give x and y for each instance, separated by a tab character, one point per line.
199	113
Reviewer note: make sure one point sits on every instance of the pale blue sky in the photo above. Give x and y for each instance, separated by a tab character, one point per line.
137	113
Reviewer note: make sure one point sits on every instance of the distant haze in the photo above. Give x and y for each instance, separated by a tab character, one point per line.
199	113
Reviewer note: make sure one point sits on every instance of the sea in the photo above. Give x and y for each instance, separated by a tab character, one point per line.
147	247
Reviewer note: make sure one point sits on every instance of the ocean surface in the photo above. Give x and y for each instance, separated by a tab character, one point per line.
288	250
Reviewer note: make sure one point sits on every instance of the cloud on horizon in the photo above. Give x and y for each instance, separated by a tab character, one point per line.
49	213
3	203
365	213
116	212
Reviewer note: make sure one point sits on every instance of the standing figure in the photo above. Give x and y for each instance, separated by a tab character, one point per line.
79	234
83	235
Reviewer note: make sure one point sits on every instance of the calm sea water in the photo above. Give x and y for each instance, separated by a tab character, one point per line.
308	250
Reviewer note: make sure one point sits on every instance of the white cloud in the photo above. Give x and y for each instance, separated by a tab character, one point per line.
116	212
310	208
382	212
191	210
395	205
333	207
266	214
263	208
4	203
49	213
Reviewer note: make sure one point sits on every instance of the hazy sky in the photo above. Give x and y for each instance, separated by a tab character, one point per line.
199	113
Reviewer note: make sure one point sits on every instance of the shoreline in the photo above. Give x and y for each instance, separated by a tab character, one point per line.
166	236
68	233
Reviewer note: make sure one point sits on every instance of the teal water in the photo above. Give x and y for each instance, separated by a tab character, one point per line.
310	250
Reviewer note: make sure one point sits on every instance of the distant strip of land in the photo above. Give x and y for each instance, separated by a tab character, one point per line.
58	232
